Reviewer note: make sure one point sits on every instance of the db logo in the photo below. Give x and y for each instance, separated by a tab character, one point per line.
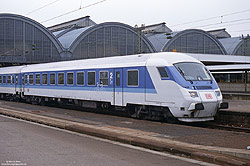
209	96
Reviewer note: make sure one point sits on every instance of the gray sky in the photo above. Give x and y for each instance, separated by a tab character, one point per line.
234	15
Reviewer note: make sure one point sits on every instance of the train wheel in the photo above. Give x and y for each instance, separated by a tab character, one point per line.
105	106
136	112
131	111
169	118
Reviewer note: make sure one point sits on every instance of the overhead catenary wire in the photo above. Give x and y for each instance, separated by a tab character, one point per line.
73	11
42	7
226	24
211	18
239	20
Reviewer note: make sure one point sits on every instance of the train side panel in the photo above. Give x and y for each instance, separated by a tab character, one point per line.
92	90
131	87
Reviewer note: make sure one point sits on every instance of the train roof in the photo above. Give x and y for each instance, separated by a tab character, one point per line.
11	70
155	59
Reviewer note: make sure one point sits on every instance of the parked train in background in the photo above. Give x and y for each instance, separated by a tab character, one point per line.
153	86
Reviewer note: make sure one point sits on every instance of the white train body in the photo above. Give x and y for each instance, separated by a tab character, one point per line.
171	82
10	75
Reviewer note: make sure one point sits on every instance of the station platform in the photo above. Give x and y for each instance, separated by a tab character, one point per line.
238	105
238	113
235	96
210	145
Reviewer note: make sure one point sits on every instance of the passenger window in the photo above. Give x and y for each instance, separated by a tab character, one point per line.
52	78
4	79
9	79
25	79
70	78
45	79
0	79
31	79
104	78
38	79
163	73
118	78
133	78
91	78
60	79
80	78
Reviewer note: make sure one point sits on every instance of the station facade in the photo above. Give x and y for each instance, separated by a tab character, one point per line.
25	41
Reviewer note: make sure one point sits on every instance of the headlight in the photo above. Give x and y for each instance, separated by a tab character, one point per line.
193	94
218	93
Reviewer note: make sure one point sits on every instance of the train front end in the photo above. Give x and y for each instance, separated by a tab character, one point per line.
202	96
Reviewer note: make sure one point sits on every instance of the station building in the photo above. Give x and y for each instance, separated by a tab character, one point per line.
187	41
25	41
85	39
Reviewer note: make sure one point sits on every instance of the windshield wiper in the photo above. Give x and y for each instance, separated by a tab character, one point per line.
211	78
182	73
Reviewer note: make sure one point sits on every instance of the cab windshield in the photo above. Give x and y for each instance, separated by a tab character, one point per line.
193	71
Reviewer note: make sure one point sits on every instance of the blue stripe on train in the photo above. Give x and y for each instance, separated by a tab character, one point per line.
145	82
104	89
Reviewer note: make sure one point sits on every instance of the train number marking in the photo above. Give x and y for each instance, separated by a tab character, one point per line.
111	78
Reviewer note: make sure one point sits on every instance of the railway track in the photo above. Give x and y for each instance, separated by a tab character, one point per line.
215	125
229	128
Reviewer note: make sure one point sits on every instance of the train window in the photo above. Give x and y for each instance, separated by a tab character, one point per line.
0	79
80	78
163	72
91	78
31	79
70	78
52	77
192	71
45	78
26	79
4	79
60	79
9	79
118	78
133	77
38	79
104	78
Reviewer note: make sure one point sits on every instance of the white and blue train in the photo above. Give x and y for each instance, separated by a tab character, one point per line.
159	85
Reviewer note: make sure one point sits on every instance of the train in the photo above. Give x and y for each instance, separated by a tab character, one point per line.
168	85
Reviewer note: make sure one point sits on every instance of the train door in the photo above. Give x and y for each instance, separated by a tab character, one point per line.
17	87
14	82
22	83
118	87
